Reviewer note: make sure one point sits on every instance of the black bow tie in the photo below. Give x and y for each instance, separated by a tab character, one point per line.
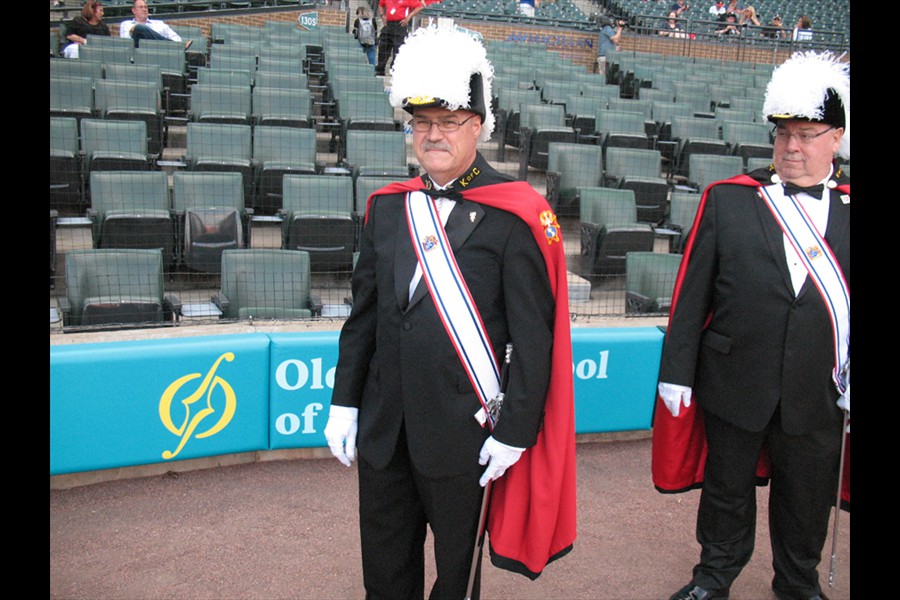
814	190
450	193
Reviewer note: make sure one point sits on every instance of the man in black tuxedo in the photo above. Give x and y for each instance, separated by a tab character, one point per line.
758	339
402	394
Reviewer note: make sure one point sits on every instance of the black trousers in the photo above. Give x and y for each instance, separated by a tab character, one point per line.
389	41
396	504
803	488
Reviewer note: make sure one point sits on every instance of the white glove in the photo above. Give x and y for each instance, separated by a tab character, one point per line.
340	432
673	396
498	457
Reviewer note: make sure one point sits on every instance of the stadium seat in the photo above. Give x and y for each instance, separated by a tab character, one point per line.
318	218
540	125
695	135
682	210
114	146
221	147
280	151
707	168
209	209
609	231
282	107
130	101
639	170
570	167
71	97
227	104
131	209
650	281
116	288
622	129
66	184
266	284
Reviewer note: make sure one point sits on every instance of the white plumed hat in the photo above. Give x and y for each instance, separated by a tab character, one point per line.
811	86
443	67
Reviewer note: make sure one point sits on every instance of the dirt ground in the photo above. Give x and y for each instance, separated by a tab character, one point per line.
289	529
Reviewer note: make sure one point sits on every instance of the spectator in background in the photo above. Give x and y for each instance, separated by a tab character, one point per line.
672	28
396	15
89	22
733	8
680	7
527	7
775	29
608	42
731	27
142	27
717	11
803	30
365	30
748	17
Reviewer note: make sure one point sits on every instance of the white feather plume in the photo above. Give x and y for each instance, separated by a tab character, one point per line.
799	87
439	62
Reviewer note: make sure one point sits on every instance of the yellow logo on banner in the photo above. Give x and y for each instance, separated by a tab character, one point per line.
194	413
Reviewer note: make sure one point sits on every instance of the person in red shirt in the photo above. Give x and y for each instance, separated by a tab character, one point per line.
396	16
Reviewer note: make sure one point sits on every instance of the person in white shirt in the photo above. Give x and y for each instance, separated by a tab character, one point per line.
142	27
803	30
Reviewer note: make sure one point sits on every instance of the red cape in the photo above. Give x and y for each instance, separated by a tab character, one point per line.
532	516
679	443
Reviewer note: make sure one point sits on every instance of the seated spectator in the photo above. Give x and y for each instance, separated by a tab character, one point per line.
679	7
803	30
748	17
527	7
89	22
142	27
775	29
717	11
731	27
733	8
672	27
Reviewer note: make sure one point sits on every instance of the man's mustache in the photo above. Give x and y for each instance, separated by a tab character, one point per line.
436	146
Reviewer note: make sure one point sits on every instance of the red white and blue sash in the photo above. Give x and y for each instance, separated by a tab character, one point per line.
451	297
824	270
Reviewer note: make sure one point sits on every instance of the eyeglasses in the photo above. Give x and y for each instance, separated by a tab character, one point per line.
783	135
444	125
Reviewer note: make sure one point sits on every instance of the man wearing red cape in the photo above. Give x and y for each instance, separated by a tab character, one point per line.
461	249
754	378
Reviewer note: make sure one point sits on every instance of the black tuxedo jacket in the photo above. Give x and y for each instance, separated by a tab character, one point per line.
396	362
762	346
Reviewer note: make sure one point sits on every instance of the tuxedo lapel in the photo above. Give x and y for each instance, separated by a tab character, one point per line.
463	220
404	261
838	221
775	241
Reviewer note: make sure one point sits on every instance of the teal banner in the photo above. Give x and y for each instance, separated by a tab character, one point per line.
300	384
615	373
130	403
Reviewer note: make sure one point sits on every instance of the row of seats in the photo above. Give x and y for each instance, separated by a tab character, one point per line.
204	214
126	288
261	156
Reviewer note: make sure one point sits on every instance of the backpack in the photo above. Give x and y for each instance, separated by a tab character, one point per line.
366	32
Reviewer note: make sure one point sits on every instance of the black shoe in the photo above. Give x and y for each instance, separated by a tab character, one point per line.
695	592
